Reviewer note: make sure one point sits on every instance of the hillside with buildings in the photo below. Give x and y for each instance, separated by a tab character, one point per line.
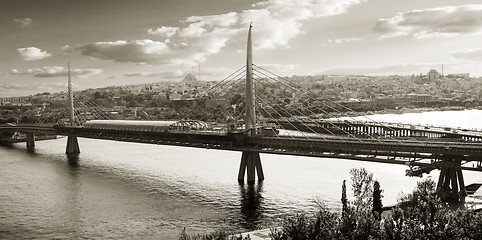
318	96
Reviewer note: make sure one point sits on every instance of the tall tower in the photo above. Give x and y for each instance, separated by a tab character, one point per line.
250	160
72	148
70	98
250	120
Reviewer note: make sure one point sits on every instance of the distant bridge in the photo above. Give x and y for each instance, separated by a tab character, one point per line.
421	148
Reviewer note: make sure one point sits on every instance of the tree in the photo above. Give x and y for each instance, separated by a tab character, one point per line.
97	95
419	215
344	201
132	104
25	119
362	186
377	200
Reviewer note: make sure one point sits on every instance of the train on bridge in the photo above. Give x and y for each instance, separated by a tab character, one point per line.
173	126
146	126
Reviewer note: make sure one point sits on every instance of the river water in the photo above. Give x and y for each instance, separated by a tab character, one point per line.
117	190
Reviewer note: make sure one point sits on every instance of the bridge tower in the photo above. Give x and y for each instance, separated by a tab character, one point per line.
72	143
30	142
250	160
450	185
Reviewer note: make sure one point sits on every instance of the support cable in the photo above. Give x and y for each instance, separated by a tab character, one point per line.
346	132
297	88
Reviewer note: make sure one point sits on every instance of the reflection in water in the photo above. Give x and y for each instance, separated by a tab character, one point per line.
73	202
73	161
251	204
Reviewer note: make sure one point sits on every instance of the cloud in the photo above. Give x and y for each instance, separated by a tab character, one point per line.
163	31
56	71
179	74
15	71
42	86
32	53
343	40
15	90
474	54
401	69
166	74
277	67
193	30
198	37
24	23
138	51
66	49
448	21
282	19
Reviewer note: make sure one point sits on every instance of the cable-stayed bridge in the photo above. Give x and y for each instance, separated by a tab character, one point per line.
256	122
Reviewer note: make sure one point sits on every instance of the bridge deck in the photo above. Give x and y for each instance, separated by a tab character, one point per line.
389	150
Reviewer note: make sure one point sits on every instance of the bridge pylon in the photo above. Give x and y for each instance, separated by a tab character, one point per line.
72	142
30	141
250	161
450	185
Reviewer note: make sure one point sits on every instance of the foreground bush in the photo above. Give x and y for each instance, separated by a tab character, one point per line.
218	235
419	215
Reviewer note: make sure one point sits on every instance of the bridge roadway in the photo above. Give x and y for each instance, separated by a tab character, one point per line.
401	150
379	129
387	150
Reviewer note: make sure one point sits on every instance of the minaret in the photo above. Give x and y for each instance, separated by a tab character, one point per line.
250	120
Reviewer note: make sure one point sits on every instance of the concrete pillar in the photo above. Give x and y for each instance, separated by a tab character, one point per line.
250	163
259	168
250	168
30	141
453	181
446	182
72	146
242	167
441	179
463	192
450	182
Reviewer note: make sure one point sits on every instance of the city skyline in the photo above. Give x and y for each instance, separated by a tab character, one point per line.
125	42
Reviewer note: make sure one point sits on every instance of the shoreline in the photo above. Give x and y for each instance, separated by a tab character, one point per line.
402	111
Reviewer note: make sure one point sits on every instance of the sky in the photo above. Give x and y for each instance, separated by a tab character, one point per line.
116	42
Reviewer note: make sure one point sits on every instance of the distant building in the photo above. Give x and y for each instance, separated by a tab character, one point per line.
189	78
356	104
420	98
433	74
459	75
336	78
15	101
211	103
357	78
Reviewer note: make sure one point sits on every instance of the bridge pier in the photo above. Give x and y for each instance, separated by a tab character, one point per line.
72	146
250	161
450	181
30	141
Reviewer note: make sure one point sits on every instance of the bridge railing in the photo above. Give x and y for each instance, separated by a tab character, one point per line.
447	148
